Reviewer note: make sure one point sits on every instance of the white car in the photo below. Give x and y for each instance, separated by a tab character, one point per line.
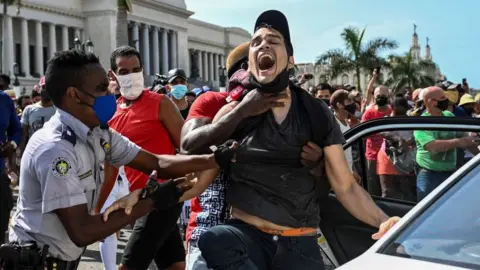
442	231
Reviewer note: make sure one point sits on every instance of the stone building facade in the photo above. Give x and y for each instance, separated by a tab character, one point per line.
162	30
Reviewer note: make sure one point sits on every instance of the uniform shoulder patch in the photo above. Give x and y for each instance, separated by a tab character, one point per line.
61	167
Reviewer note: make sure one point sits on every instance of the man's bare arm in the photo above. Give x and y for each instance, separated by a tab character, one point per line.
196	138
171	166
85	229
351	195
204	179
171	119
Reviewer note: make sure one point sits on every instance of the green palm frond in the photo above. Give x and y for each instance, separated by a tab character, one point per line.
358	56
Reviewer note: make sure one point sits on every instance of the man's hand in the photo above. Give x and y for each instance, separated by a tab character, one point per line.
256	102
467	142
311	155
225	153
385	227
305	78
7	149
126	202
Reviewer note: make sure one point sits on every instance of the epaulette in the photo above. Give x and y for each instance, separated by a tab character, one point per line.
68	134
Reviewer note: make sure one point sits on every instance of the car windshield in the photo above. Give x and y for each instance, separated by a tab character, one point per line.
448	231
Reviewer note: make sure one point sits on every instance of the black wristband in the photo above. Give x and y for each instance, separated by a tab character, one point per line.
164	195
224	154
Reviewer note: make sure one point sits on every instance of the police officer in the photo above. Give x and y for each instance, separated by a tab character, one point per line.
61	164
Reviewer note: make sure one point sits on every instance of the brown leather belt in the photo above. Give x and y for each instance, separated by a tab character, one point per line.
292	232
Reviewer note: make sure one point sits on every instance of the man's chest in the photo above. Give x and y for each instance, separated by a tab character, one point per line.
90	158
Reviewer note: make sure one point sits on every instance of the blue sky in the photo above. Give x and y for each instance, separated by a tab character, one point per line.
315	26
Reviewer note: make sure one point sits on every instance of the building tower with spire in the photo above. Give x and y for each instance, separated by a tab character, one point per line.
415	48
428	53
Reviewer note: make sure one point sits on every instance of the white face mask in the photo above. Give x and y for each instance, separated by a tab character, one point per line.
131	85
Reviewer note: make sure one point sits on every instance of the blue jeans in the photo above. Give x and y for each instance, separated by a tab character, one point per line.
427	181
241	246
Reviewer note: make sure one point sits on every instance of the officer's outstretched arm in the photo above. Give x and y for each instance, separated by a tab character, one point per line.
123	152
172	166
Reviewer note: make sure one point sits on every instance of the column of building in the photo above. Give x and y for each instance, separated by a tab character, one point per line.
39	61
208	64
158	47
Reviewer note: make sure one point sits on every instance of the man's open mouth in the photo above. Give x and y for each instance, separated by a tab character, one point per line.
265	62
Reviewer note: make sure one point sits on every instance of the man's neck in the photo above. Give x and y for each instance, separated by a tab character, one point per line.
340	116
181	104
434	112
451	107
46	104
280	113
382	109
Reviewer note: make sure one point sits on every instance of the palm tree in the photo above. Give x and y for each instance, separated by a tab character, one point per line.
7	3
123	6
405	71
358	56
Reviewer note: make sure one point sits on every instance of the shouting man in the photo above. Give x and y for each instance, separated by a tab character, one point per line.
275	214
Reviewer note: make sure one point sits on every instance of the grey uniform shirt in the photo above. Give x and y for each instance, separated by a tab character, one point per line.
60	168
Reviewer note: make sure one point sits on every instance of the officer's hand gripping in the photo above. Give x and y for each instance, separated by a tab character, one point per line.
163	195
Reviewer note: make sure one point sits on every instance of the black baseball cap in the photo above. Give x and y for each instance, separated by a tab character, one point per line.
175	73
448	85
275	19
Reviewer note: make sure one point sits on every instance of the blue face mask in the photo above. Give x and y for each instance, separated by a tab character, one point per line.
178	91
104	107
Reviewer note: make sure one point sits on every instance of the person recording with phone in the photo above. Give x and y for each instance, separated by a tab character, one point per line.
60	172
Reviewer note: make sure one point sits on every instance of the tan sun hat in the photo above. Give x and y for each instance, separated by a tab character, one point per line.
236	57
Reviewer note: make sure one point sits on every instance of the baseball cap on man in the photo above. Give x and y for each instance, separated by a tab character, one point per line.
448	85
175	73
275	19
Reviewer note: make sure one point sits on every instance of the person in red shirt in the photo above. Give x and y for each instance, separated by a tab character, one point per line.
154	123
380	109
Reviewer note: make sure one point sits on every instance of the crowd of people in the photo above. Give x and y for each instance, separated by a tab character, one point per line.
95	151
407	164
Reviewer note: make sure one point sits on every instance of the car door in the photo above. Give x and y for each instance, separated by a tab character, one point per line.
349	237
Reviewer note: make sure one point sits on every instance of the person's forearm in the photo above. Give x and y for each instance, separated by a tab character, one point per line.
198	140
94	229
442	145
174	166
359	203
204	179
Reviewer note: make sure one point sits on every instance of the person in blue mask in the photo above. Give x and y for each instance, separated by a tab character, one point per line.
177	80
61	166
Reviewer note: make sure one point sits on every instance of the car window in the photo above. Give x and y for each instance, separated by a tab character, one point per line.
448	231
405	165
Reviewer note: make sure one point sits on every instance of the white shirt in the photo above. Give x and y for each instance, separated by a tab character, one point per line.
348	152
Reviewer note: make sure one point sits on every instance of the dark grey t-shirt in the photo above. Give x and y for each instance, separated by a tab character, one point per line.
268	179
